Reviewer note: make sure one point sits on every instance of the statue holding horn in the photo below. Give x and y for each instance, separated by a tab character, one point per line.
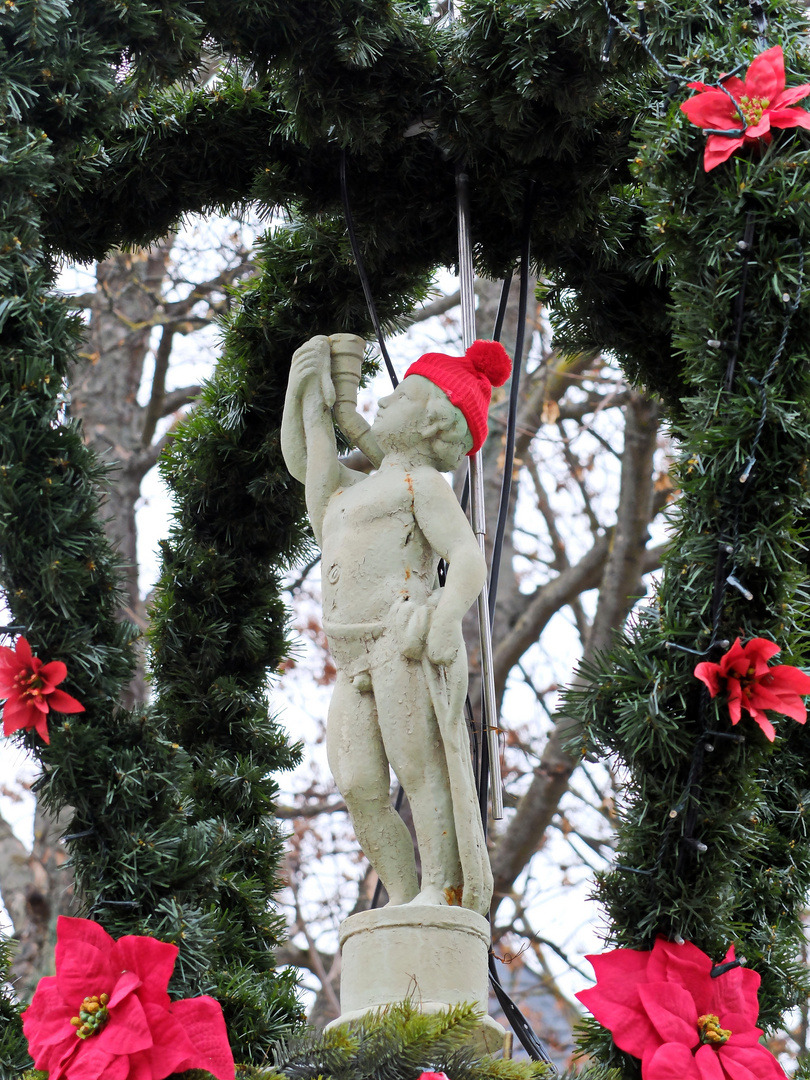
394	634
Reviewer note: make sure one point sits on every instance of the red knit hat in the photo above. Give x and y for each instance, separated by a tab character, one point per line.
468	380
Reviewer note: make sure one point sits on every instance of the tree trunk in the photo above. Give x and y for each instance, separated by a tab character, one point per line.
620	585
104	395
35	898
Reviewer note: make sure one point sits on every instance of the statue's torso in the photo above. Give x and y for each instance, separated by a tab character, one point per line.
374	553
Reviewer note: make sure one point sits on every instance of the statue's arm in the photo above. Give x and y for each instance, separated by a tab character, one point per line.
307	432
309	364
448	532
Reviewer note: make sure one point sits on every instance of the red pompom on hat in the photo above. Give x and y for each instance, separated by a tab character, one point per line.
468	380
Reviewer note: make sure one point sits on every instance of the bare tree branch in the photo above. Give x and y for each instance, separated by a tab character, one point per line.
310	810
177	399
15	876
620	583
154	408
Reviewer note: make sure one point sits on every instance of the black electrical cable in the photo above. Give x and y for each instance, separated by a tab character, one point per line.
482	764
361	270
509	457
511	419
502	305
517	1021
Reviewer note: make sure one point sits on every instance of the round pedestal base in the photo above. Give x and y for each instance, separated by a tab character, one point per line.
433	957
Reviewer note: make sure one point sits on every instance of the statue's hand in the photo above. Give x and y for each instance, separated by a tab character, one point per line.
445	640
311	366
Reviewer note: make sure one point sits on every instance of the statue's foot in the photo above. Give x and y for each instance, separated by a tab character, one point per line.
430	895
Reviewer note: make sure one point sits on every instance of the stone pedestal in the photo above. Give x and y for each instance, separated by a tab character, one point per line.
432	956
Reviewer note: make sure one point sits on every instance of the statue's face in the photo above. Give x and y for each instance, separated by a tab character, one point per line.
401	415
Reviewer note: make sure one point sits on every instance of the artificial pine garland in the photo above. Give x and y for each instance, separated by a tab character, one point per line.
713	843
644	249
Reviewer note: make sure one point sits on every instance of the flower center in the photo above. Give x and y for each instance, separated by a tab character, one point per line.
93	1015
711	1034
753	108
29	683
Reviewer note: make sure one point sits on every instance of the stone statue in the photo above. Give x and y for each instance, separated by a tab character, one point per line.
394	634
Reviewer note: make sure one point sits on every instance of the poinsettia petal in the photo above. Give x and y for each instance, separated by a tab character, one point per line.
759	651
735	86
672	1061
140	1067
17	714
685	965
719	149
59	701
788	703
172	1049
23	650
153	960
790	96
126	983
788	118
760	129
54	672
629	1025
672	1012
736	700
765	77
763	697
735	660
709	675
711	109
677	963
8	687
743	1033
614	1001
202	1020
767	727
734	993
82	960
93	1063
128	1029
708	1064
750	1063
785	675
46	1021
41	724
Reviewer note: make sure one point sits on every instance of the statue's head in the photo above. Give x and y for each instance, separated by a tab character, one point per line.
466	383
440	407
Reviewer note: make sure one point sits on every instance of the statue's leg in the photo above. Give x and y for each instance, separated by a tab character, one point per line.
448	689
360	768
414	747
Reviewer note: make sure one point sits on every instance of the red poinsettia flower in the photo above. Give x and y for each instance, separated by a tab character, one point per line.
751	685
752	107
664	1007
106	1015
29	687
433	1076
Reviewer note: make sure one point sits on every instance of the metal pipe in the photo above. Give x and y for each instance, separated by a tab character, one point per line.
477	509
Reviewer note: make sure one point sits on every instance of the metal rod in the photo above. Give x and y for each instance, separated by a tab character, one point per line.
477	509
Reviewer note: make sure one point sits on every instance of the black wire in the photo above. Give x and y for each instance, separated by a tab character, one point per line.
361	270
483	774
502	305
517	1021
514	390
